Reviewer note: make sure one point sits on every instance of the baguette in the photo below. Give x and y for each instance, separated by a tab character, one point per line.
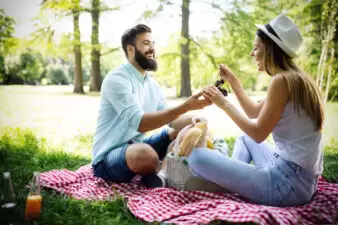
189	141
202	142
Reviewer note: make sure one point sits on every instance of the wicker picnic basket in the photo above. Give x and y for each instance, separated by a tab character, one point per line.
177	171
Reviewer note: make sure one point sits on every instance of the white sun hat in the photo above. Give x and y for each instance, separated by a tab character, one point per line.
289	37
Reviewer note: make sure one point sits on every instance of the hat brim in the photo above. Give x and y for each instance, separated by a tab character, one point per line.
284	47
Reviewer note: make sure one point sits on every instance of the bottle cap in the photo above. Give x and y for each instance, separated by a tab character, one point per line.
7	174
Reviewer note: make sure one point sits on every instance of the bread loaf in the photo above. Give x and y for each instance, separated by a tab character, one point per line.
190	137
202	142
189	141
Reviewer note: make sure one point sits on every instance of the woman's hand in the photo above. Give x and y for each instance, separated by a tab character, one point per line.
226	74
214	95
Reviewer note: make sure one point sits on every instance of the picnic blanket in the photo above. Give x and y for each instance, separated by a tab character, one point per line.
169	205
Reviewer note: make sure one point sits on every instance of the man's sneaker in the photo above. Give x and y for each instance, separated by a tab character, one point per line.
153	180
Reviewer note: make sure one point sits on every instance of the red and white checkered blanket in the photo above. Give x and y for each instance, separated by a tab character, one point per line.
191	207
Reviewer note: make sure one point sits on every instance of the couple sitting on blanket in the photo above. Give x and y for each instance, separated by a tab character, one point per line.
283	174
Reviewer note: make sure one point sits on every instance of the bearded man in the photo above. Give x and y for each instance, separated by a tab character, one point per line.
131	104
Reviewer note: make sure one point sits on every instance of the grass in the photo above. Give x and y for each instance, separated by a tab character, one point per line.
331	162
22	153
55	131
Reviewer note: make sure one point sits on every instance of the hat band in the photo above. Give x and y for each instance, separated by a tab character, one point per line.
271	30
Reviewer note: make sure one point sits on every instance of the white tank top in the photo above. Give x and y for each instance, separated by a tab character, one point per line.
297	140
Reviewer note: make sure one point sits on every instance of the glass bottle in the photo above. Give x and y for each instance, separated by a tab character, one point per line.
8	202
34	199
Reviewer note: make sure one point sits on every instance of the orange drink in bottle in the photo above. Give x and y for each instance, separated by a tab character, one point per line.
34	199
33	207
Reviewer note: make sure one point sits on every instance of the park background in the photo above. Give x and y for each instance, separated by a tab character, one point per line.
54	55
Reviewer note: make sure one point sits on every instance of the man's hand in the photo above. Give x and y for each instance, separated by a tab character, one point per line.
194	103
214	95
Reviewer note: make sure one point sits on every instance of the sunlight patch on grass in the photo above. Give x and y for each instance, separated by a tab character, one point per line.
57	114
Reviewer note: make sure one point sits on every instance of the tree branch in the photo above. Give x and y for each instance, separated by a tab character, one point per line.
211	58
110	51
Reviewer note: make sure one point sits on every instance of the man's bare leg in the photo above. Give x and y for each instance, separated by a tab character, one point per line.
142	159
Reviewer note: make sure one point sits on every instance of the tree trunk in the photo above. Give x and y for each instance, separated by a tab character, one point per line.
95	79
322	75
329	76
320	64
78	83
185	51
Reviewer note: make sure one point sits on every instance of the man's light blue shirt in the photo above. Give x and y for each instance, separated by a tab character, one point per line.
125	96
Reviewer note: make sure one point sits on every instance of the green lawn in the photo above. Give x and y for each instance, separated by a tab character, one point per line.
55	132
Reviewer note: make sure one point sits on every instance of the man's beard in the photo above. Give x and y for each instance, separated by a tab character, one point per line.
144	62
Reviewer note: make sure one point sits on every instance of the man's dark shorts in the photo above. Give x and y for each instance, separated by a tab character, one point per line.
114	167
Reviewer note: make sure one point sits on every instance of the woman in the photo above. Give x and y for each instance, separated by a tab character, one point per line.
284	174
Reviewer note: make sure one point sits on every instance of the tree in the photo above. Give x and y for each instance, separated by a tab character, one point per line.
78	80
65	8
6	32
43	34
95	81
95	78
185	51
185	88
6	39
329	22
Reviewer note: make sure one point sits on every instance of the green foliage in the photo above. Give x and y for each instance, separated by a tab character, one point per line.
27	69
43	34
169	71
6	40
333	93
56	75
2	68
6	32
231	143
230	44
331	162
85	73
31	67
12	73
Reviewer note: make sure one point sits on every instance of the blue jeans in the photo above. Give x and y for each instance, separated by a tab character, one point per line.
114	167
271	180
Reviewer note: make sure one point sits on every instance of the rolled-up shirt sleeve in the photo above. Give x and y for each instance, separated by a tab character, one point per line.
118	91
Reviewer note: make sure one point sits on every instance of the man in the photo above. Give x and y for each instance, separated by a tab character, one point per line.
131	104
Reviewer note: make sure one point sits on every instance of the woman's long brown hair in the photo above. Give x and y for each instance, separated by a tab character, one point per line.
303	91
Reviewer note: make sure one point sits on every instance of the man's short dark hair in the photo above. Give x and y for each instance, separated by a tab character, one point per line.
129	36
